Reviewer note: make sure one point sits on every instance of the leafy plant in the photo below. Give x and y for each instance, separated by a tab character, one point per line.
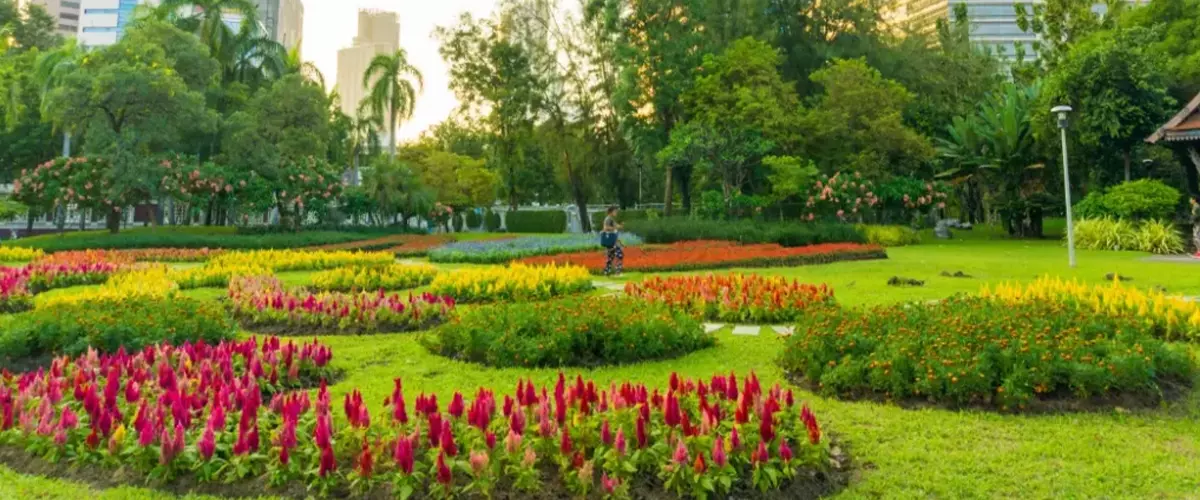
569	332
890	236
748	298
789	234
517	282
371	278
1159	237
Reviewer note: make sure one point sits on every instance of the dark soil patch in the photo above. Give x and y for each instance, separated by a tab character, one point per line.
1050	403
810	484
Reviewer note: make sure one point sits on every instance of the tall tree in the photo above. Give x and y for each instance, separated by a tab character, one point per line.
1176	26
1118	88
392	94
206	18
1059	24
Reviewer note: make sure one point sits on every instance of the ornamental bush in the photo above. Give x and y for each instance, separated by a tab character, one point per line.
744	298
889	236
788	234
18	254
1134	200
981	351
514	283
372	278
111	324
569	332
1123	234
302	260
721	437
536	221
181	237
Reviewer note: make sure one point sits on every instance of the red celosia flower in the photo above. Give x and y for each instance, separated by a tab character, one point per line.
447	440
456	406
404	455
681	454
641	433
443	473
609	484
718	452
699	466
479	461
785	451
810	423
366	462
606	436
735	440
564	444
327	463
489	438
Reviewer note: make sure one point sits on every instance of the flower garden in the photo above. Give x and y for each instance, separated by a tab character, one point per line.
214	371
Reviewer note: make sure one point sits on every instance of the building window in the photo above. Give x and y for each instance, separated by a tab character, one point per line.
99	11
70	5
100	29
63	27
72	17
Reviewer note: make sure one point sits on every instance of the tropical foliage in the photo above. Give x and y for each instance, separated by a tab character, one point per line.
517	282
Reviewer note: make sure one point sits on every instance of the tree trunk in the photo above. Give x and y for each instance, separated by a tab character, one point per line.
392	135
66	145
669	195
1127	167
82	220
113	221
585	223
29	222
685	192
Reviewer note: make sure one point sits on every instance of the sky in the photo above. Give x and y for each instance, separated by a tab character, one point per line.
330	25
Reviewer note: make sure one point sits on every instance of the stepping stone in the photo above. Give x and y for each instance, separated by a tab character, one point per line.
712	327
783	330
746	329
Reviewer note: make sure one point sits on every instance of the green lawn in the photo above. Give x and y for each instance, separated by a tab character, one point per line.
899	453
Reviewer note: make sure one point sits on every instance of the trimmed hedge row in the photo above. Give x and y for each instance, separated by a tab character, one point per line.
675	229
571	332
71	328
176	238
626	216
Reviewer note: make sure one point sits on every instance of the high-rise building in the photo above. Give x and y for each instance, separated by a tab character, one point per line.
64	12
283	20
103	21
993	22
378	33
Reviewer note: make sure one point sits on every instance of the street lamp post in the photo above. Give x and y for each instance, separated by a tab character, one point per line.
1063	112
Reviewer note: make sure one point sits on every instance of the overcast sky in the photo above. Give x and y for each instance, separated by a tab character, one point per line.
330	25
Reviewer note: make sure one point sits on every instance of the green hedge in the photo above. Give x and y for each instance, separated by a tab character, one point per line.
889	236
491	221
987	352
132	323
474	219
789	234
168	237
570	332
1145	199
369	230
540	221
626	216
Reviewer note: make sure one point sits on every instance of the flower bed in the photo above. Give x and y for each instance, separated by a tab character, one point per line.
569	332
301	260
261	303
14	294
407	245
709	438
143	282
43	276
788	234
500	251
1171	318
372	278
18	254
515	283
217	274
78	257
129	323
696	255
746	298
979	351
171	254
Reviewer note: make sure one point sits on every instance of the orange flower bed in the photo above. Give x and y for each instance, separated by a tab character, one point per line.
400	244
734	297
693	255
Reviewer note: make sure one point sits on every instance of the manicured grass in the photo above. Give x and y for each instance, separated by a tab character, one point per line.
900	453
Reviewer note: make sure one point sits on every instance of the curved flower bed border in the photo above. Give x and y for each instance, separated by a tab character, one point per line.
262	304
698	255
715	437
734	297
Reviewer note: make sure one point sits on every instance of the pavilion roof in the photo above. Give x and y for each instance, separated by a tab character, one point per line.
1183	127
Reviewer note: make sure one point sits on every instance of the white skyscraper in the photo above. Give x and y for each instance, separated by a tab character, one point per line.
64	12
378	33
103	21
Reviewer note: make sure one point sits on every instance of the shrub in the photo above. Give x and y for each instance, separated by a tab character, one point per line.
536	221
788	234
695	255
216	274
1136	200
570	332
500	251
515	283
739	298
371	278
170	254
889	236
1158	237
979	351
1171	318
625	217
727	442
18	254
1119	234
474	219
261	303
108	325
170	237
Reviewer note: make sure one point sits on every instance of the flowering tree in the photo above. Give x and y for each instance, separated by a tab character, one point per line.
842	197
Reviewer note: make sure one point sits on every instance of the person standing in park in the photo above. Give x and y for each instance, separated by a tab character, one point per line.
611	241
1196	226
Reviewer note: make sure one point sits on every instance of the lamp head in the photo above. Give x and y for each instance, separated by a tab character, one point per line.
1063	111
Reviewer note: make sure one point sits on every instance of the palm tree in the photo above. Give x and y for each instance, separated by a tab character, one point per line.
293	64
205	18
250	58
396	190
50	70
392	95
